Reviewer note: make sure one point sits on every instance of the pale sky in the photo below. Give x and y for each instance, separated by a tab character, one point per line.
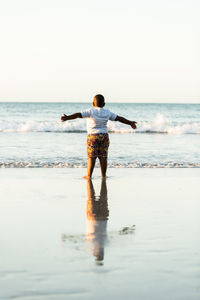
128	50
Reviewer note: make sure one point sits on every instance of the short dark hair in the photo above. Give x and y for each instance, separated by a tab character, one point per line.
99	99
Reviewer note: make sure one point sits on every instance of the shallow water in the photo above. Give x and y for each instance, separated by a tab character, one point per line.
150	242
33	136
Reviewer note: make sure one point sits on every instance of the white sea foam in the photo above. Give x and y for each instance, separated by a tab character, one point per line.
36	126
159	125
38	164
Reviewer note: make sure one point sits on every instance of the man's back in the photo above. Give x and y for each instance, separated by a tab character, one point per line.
97	119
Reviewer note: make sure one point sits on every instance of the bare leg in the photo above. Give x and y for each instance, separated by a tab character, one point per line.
103	164
90	167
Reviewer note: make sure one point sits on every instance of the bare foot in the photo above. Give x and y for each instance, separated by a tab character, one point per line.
87	177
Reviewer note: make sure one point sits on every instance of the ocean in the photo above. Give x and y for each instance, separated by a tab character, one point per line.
167	136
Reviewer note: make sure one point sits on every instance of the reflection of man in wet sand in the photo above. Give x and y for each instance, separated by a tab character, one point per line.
97	216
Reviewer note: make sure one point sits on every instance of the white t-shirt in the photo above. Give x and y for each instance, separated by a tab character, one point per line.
97	119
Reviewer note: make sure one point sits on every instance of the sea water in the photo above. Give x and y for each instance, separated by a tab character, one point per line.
167	135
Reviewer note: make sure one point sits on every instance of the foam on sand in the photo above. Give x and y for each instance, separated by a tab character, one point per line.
60	164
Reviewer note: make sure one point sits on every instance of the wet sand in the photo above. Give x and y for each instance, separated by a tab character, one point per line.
135	236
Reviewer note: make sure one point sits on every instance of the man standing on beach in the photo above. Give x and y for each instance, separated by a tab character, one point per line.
98	138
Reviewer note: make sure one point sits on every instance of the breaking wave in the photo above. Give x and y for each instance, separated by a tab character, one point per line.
159	125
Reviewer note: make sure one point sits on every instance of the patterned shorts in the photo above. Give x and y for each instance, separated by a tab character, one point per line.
97	145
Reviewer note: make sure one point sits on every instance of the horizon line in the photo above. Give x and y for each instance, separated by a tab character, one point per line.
113	102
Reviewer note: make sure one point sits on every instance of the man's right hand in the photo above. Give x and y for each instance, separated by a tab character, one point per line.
63	118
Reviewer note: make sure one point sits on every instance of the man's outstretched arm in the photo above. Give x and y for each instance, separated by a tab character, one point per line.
70	117
126	121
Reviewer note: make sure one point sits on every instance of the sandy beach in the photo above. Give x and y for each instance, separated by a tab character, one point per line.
141	243
117	81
